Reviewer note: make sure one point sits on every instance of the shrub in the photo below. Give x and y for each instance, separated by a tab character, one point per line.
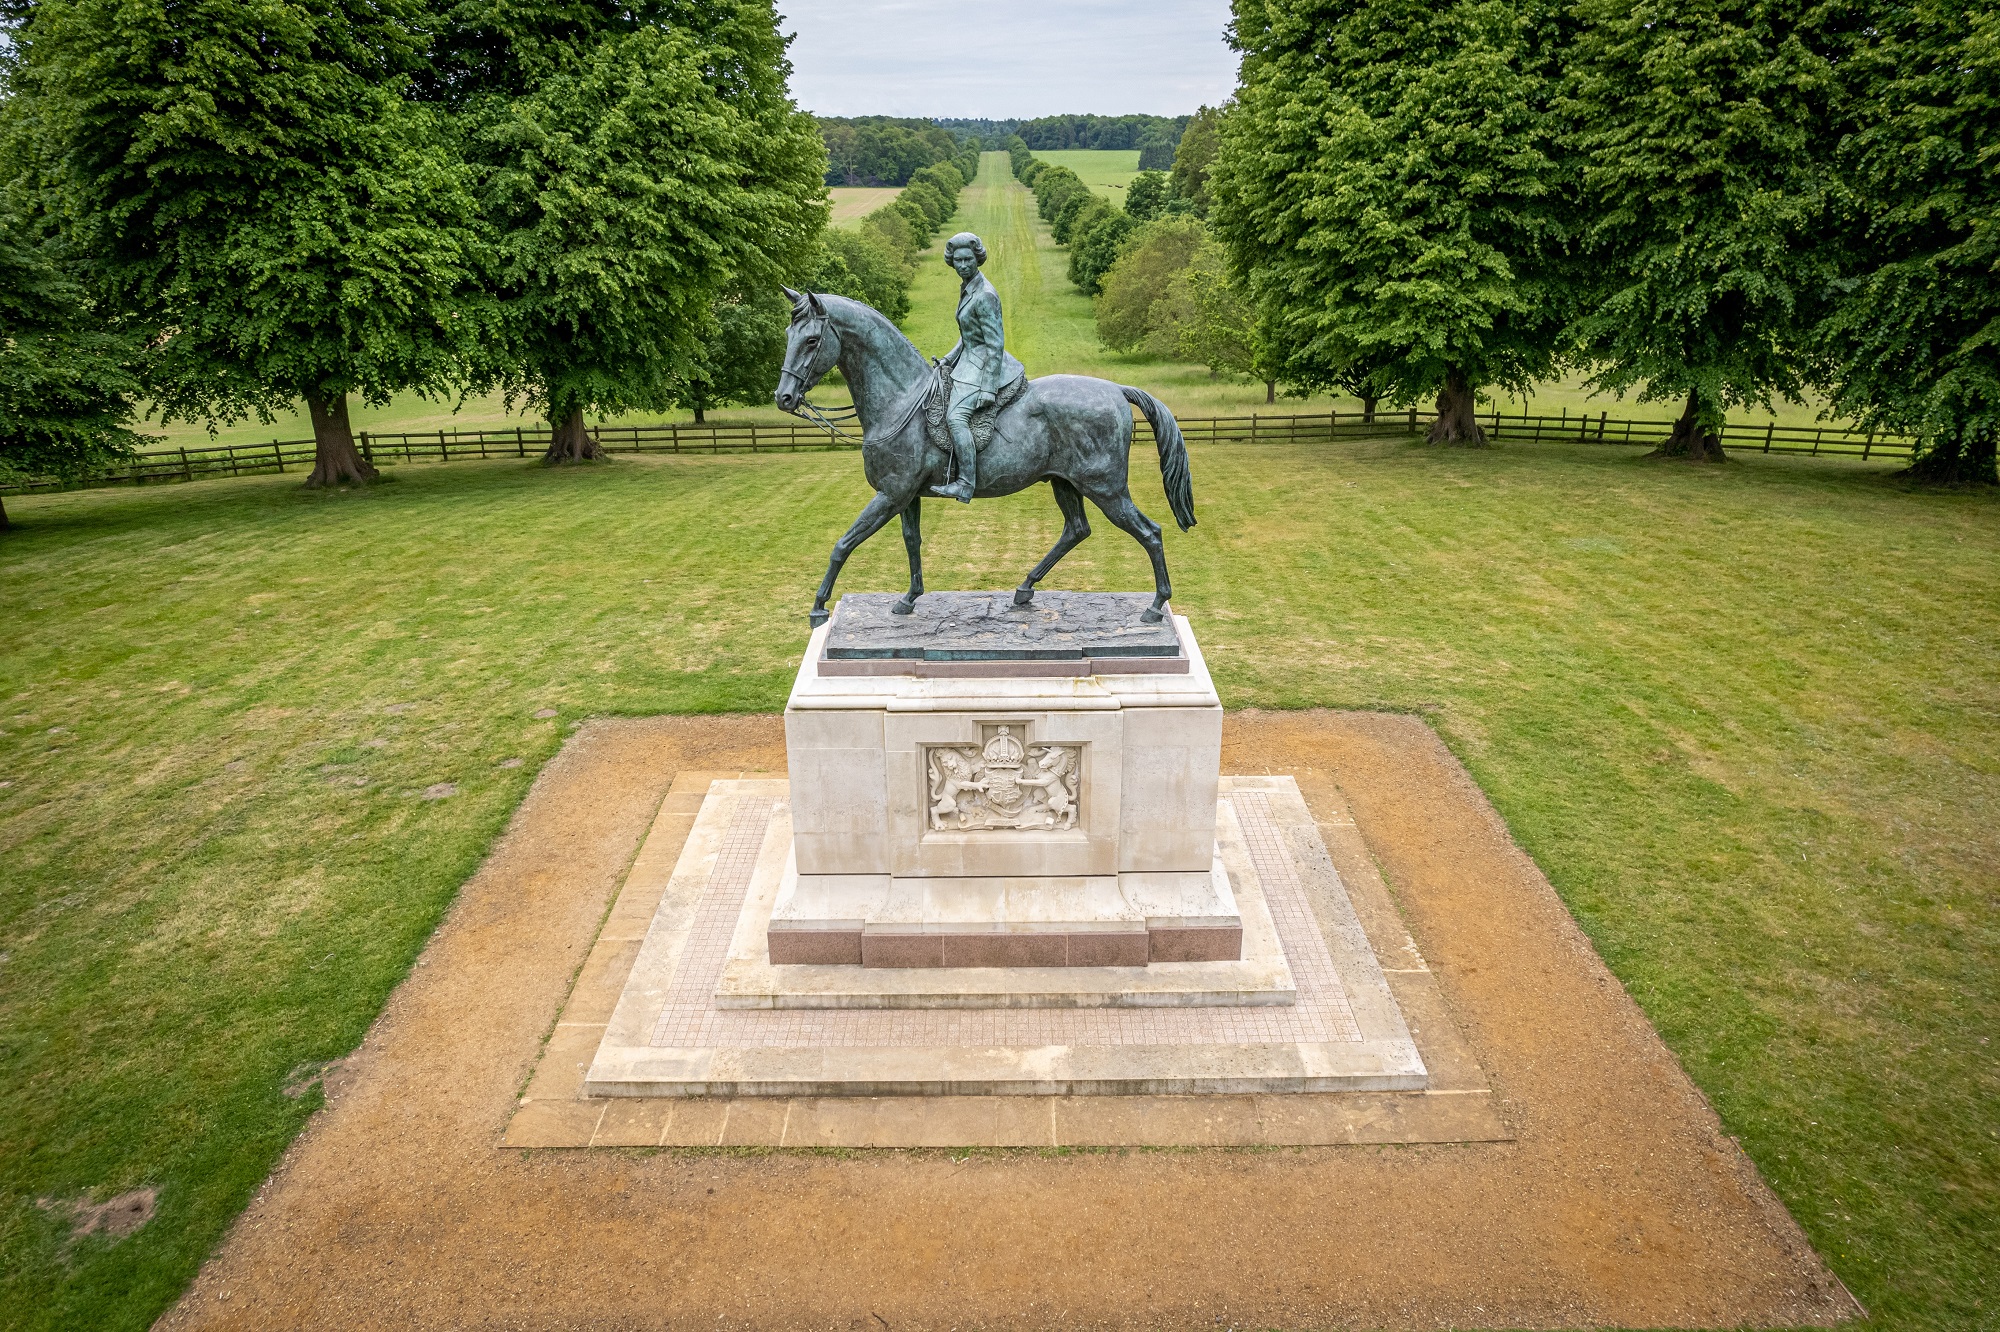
946	180
862	264
1054	187
1146	196
1096	245
892	227
925	208
1077	214
1131	288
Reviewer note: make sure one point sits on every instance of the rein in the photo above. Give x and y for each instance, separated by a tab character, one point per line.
813	413
828	421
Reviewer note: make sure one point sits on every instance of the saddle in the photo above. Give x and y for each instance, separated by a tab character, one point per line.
938	436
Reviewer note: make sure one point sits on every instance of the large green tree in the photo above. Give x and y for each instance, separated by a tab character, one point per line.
66	378
639	163
1389	189
254	190
1912	342
1701	135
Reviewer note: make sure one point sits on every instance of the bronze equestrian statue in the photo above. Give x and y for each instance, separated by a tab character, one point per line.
972	426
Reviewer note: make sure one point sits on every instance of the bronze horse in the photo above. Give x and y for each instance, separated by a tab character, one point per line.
1071	431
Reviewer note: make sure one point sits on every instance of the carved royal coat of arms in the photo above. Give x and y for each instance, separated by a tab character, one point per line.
1004	784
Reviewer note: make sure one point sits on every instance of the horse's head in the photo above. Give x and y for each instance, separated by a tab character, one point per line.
812	347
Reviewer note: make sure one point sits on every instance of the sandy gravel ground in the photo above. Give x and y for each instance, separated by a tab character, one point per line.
1621	1203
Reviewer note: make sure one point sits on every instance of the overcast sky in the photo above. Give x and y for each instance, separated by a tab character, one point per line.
1020	58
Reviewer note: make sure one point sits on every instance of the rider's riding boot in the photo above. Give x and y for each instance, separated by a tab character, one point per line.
968	466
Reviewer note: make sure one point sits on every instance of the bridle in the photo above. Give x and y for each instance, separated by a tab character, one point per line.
831	422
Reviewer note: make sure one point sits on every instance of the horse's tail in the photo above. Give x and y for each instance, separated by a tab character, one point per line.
1173	453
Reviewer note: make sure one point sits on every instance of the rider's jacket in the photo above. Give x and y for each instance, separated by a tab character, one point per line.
980	360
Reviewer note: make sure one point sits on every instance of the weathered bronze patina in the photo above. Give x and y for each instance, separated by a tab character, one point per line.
1072	431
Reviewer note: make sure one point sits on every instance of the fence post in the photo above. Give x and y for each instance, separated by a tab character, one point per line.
1413	420
1866	445
520	443
1601	416
187	469
444	454
1816	438
279	454
1770	428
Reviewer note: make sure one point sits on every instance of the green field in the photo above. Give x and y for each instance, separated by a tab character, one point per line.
1744	717
1106	171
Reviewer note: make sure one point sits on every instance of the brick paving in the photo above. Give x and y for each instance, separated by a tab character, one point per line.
691	1020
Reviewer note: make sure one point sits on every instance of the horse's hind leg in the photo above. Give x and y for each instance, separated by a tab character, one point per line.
1075	528
877	512
913	541
1121	510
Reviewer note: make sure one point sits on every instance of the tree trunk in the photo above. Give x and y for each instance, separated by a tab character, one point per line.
1692	438
1368	401
1270	390
1457	414
699	419
3	516
336	462
571	442
1963	459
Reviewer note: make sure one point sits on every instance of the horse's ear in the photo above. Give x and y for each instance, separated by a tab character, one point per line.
819	311
797	299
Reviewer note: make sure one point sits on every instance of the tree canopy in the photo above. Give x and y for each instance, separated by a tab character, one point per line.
1698	137
1194	158
1389	191
663	171
1132	287
66	374
257	198
1912	341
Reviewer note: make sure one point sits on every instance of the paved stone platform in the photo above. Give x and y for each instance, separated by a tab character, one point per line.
669	1035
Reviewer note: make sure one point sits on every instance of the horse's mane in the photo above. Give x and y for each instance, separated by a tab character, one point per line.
863	317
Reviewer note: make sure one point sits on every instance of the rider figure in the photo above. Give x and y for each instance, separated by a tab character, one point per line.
979	365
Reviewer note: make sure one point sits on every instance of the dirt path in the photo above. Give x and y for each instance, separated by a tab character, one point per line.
1622	1203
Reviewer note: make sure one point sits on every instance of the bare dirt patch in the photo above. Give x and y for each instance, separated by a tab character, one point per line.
114	1218
1621	1202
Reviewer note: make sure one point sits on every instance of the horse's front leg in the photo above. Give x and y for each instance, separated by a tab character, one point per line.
878	511
913	541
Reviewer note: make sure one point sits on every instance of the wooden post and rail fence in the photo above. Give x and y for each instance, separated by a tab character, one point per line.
282	455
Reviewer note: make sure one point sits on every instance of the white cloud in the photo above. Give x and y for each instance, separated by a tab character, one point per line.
1025	58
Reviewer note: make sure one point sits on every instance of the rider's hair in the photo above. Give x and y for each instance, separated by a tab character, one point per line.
965	240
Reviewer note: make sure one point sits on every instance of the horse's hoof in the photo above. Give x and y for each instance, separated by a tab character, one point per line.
1024	596
1150	616
907	606
816	617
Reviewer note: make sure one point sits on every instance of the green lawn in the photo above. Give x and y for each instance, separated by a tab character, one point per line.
1745	718
1107	171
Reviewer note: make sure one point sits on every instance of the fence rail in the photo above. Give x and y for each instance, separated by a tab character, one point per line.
287	455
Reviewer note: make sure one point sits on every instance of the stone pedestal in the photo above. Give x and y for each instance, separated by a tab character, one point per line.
984	785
